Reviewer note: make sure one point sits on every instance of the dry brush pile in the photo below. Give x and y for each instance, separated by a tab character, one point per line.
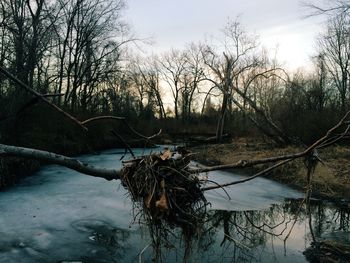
165	191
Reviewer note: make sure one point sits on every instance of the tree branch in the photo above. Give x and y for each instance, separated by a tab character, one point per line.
40	96
125	122
248	178
311	150
74	164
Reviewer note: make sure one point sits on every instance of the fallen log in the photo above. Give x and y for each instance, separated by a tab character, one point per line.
54	158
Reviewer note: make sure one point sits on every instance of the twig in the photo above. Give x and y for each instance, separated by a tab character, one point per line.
143	251
126	145
220	186
102	118
141	135
337	138
88	121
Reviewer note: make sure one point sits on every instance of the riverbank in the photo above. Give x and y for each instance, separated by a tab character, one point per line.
65	216
331	179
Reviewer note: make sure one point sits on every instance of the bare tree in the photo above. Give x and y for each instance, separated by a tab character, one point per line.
228	69
29	23
236	74
145	74
328	7
193	73
90	35
335	49
173	68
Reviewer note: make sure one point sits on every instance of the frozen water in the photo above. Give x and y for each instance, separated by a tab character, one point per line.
59	215
256	194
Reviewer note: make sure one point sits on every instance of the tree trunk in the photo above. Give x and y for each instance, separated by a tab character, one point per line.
221	120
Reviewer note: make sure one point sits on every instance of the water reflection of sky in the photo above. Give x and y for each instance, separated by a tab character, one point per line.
60	215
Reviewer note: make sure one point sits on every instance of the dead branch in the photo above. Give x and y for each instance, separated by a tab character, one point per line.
41	97
102	118
88	121
311	150
141	135
248	178
108	174
126	145
245	163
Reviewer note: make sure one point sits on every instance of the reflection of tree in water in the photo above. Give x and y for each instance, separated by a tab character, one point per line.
246	236
326	219
244	232
330	232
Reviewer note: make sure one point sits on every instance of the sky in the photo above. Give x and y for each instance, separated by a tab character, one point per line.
278	23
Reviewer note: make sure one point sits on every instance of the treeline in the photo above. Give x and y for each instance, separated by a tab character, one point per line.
78	54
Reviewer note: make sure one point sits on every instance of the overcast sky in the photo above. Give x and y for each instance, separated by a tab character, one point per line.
174	23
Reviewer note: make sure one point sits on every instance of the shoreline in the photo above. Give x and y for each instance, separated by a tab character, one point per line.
331	179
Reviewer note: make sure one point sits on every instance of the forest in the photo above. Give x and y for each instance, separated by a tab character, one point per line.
74	80
79	55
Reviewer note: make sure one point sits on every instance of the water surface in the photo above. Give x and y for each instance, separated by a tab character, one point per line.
59	215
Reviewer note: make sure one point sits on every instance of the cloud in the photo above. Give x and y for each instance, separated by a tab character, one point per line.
175	23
